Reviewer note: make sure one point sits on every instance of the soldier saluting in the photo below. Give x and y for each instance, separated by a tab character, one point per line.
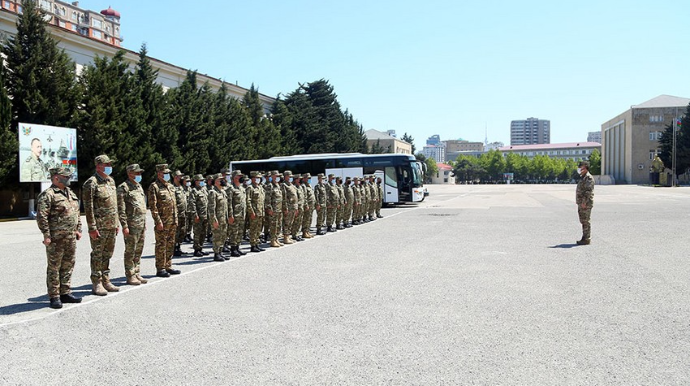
59	222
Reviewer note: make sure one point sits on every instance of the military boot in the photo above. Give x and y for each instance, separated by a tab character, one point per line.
287	240
218	257
108	285
320	231
255	248
98	287
583	242
133	280
235	251
275	244
141	279
240	251
178	251
198	253
305	235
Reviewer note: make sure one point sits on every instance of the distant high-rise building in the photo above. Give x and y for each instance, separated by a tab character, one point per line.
530	131
434	140
391	133
594	136
438	153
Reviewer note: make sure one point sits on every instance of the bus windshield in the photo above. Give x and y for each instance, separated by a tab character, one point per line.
417	174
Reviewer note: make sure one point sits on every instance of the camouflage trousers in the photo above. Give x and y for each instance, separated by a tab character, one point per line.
276	222
320	217
306	219
379	204
134	245
330	215
255	225
288	221
189	224
181	229
266	223
220	234
165	245
585	214
236	231
296	223
101	251
372	208
200	229
339	214
61	257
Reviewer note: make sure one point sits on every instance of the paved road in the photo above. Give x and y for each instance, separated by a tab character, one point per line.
476	285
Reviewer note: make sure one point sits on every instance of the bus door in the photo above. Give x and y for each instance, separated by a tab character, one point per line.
390	188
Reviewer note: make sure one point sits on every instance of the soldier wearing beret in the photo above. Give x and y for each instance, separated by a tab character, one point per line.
99	194
58	220
131	205
164	212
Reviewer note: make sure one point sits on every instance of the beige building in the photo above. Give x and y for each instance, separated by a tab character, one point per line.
83	34
444	174
576	151
456	145
631	139
387	142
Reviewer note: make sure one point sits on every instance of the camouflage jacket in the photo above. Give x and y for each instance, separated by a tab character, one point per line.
309	199
34	169
300	197
274	199
237	197
379	189
373	192
217	206
198	202
585	191
58	213
256	200
100	203
131	205
181	200
348	190
289	196
162	203
356	194
332	197
320	194
341	194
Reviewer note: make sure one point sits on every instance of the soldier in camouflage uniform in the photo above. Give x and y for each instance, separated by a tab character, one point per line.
181	201
340	212
309	203
131	208
379	203
256	197
58	220
357	201
366	198
218	216
297	222
163	207
99	194
349	199
34	169
332	203
584	198
320	205
373	200
190	215
290	209
209	187
237	197
266	185
199	208
274	209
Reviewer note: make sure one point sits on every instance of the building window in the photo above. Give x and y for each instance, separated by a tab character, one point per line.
62	24
63	11
74	27
97	34
652	153
6	4
97	23
74	16
20	10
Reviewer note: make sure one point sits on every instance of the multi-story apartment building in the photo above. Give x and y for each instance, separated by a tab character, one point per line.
631	139
594	136
576	151
530	131
438	153
457	147
386	141
434	140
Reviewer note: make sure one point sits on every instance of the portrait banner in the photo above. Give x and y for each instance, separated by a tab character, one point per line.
44	147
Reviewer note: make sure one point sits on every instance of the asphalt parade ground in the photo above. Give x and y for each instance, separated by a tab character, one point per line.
478	284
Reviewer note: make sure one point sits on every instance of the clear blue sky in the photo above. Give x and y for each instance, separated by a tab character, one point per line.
433	67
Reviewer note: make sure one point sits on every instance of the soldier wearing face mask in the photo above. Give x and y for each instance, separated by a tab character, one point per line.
199	209
100	206
131	208
164	212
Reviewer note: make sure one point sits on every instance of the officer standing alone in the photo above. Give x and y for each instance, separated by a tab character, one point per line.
584	198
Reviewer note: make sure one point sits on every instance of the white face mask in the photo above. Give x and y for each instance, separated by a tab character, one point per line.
579	170
137	179
108	170
188	184
166	176
202	184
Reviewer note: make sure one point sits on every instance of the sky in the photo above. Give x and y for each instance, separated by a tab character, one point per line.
460	69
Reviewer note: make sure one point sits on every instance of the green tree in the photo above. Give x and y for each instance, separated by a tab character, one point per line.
8	137
682	145
494	164
431	169
408	138
40	77
468	169
595	162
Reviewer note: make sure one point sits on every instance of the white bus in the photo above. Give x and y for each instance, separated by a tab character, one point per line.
401	173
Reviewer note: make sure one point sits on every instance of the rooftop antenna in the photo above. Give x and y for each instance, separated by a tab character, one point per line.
486	134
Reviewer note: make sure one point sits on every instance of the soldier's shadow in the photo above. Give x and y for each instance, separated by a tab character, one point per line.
33	305
563	246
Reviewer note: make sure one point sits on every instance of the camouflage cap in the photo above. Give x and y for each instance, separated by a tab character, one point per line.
255	174
583	163
209	177
134	168
321	175
355	178
331	176
198	177
162	168
103	159
275	173
186	177
348	178
236	173
296	176
306	175
177	173
217	176
287	173
225	171
60	172
338	178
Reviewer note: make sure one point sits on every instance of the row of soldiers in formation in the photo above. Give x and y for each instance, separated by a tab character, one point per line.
279	204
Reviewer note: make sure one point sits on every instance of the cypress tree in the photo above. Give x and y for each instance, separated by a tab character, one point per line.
8	137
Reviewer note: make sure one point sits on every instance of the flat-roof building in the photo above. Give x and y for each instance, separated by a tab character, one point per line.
576	151
530	131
